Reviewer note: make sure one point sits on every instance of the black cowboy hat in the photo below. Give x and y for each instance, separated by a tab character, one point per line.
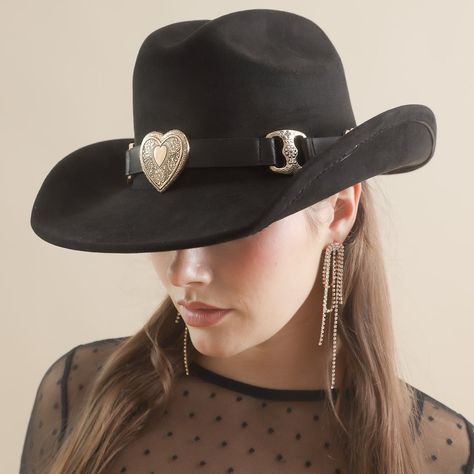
239	121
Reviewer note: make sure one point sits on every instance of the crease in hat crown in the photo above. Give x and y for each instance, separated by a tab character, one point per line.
242	74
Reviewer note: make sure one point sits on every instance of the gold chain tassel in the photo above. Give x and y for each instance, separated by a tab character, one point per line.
185	355
335	250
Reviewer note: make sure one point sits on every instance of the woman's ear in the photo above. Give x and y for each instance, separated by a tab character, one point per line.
345	212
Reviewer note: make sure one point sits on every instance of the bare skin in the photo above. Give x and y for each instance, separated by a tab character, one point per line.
272	281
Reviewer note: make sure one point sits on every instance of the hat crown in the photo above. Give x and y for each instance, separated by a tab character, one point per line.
245	73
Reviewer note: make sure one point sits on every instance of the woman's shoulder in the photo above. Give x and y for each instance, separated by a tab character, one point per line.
70	376
82	361
59	396
86	360
91	355
448	436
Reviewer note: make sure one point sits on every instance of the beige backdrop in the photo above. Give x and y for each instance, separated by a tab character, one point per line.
66	82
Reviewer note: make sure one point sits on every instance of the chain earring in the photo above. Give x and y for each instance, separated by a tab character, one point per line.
336	251
184	345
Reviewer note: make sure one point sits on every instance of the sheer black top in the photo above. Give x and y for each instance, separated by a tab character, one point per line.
215	424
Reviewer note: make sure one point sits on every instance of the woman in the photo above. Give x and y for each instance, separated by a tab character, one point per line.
255	202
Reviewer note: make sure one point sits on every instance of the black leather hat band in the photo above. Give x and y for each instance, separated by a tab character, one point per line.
226	152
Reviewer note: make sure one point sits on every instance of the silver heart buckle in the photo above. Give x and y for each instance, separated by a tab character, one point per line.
163	157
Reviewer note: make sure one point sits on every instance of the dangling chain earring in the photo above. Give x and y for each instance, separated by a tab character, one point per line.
184	348
337	251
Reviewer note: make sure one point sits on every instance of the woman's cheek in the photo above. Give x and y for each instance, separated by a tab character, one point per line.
255	268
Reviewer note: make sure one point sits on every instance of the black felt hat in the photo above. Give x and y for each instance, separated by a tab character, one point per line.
238	121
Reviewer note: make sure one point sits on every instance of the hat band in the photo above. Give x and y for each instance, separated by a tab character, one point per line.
231	151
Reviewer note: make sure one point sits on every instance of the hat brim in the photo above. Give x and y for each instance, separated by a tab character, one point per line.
86	204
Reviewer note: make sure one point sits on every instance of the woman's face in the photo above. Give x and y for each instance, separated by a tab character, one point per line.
264	278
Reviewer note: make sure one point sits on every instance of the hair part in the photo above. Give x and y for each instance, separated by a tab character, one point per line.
376	423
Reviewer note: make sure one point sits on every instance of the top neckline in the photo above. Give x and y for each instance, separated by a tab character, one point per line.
257	391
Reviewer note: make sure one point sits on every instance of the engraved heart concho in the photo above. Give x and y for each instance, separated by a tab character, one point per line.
163	156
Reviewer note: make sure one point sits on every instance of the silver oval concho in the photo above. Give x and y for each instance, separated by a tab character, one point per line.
163	156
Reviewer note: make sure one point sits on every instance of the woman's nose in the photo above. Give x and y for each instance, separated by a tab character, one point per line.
189	267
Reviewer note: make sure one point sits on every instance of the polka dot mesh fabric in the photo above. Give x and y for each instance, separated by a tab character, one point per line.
218	425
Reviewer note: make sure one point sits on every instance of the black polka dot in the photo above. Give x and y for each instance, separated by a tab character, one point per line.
191	415
170	433
279	457
270	430
315	417
197	438
430	418
230	469
80	386
224	443
244	424
434	457
202	463
298	436
264	404
327	444
449	441
185	393
74	367
307	464
239	398
212	395
174	457
123	469
288	410
459	425
146	452
218	418
251	450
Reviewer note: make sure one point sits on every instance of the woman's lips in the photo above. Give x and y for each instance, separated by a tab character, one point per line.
203	317
196	304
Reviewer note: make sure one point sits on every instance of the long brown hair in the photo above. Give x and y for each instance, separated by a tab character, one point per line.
376	424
